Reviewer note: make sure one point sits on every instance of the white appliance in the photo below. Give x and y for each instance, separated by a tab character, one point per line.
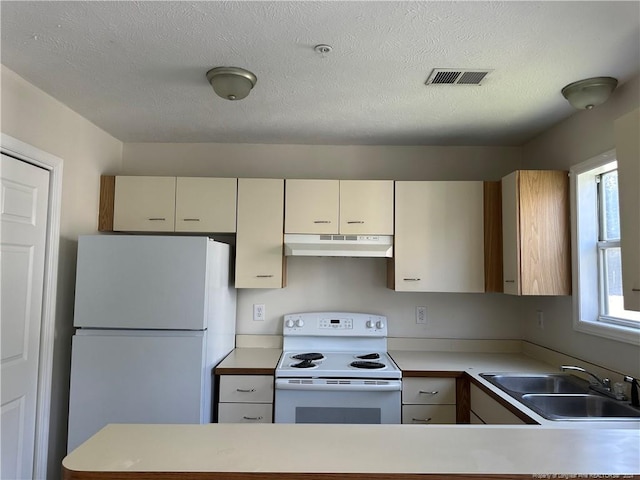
335	369
338	245
154	314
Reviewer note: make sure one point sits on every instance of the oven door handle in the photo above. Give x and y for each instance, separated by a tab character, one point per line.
386	386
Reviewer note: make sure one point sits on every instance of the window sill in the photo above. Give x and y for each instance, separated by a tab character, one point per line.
613	332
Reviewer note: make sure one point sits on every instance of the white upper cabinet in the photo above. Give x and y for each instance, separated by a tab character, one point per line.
144	204
259	239
535	226
353	207
439	236
627	132
206	204
366	207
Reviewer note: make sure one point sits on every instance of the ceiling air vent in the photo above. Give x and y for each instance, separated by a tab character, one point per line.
460	76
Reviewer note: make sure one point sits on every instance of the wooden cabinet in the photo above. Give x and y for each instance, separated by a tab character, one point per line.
206	204
245	399
259	237
167	204
353	207
535	233
439	237
487	410
428	400
627	130
144	204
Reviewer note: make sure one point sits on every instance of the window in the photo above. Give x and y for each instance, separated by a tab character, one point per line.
597	265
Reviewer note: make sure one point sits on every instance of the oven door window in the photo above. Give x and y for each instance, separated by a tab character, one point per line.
338	415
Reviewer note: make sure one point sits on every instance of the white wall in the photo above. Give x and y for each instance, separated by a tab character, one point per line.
36	118
349	284
580	137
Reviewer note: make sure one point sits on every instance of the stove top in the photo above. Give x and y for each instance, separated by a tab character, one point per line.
338	364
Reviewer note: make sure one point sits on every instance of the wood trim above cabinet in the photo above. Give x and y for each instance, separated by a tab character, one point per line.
492	237
107	198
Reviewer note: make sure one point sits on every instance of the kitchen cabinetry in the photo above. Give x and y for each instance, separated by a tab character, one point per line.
535	232
348	207
439	237
428	400
206	204
487	410
167	204
144	204
245	399
259	239
628	156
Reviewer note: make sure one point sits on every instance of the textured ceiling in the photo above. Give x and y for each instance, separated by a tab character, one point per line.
137	69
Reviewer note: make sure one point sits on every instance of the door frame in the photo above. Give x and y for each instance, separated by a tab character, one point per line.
30	154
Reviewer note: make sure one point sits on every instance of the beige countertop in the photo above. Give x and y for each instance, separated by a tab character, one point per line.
258	361
350	450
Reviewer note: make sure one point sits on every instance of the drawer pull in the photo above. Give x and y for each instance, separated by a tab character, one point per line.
356	221
422	392
264	276
411	279
322	221
245	390
635	289
157	219
252	418
509	281
190	219
421	420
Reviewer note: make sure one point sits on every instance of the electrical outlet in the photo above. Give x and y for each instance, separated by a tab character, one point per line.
540	319
421	315
258	312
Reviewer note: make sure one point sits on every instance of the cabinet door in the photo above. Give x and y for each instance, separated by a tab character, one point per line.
489	411
312	206
628	155
510	235
206	204
439	237
144	204
259	238
366	207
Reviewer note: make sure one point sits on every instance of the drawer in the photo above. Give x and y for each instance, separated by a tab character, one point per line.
431	391
246	388
429	414
245	413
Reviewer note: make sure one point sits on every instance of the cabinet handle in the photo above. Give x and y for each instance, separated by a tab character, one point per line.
356	221
509	281
190	219
245	390
251	418
635	289
322	221
411	279
264	276
421	420
422	392
157	219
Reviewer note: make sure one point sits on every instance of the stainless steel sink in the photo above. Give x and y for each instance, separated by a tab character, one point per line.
580	407
561	396
548	383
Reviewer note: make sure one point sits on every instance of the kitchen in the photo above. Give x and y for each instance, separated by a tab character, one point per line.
33	116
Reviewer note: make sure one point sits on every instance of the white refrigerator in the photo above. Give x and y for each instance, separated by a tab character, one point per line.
154	315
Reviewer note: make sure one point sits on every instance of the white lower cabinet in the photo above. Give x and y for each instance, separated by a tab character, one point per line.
245	399
428	400
487	410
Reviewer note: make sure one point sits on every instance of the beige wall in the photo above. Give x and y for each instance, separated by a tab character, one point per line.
32	116
580	137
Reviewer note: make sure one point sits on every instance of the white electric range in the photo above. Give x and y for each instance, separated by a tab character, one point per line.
335	369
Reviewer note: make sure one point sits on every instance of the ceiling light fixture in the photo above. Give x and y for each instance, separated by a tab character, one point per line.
231	83
589	93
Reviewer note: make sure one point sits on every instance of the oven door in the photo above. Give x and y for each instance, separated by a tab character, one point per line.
337	401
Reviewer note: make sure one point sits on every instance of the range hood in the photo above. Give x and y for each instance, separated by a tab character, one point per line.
338	245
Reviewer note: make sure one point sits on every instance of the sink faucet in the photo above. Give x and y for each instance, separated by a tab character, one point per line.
601	385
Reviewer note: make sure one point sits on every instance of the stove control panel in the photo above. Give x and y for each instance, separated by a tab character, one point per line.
335	324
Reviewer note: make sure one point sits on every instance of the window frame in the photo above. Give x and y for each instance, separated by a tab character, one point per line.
588	292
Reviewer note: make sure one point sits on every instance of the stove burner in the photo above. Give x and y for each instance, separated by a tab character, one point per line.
304	364
369	365
308	356
369	356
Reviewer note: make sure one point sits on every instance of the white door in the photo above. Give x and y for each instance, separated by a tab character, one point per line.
23	211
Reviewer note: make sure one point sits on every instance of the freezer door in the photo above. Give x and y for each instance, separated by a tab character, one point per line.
137	377
140	282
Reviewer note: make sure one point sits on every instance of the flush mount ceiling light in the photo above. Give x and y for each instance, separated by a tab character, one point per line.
589	93
232	83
